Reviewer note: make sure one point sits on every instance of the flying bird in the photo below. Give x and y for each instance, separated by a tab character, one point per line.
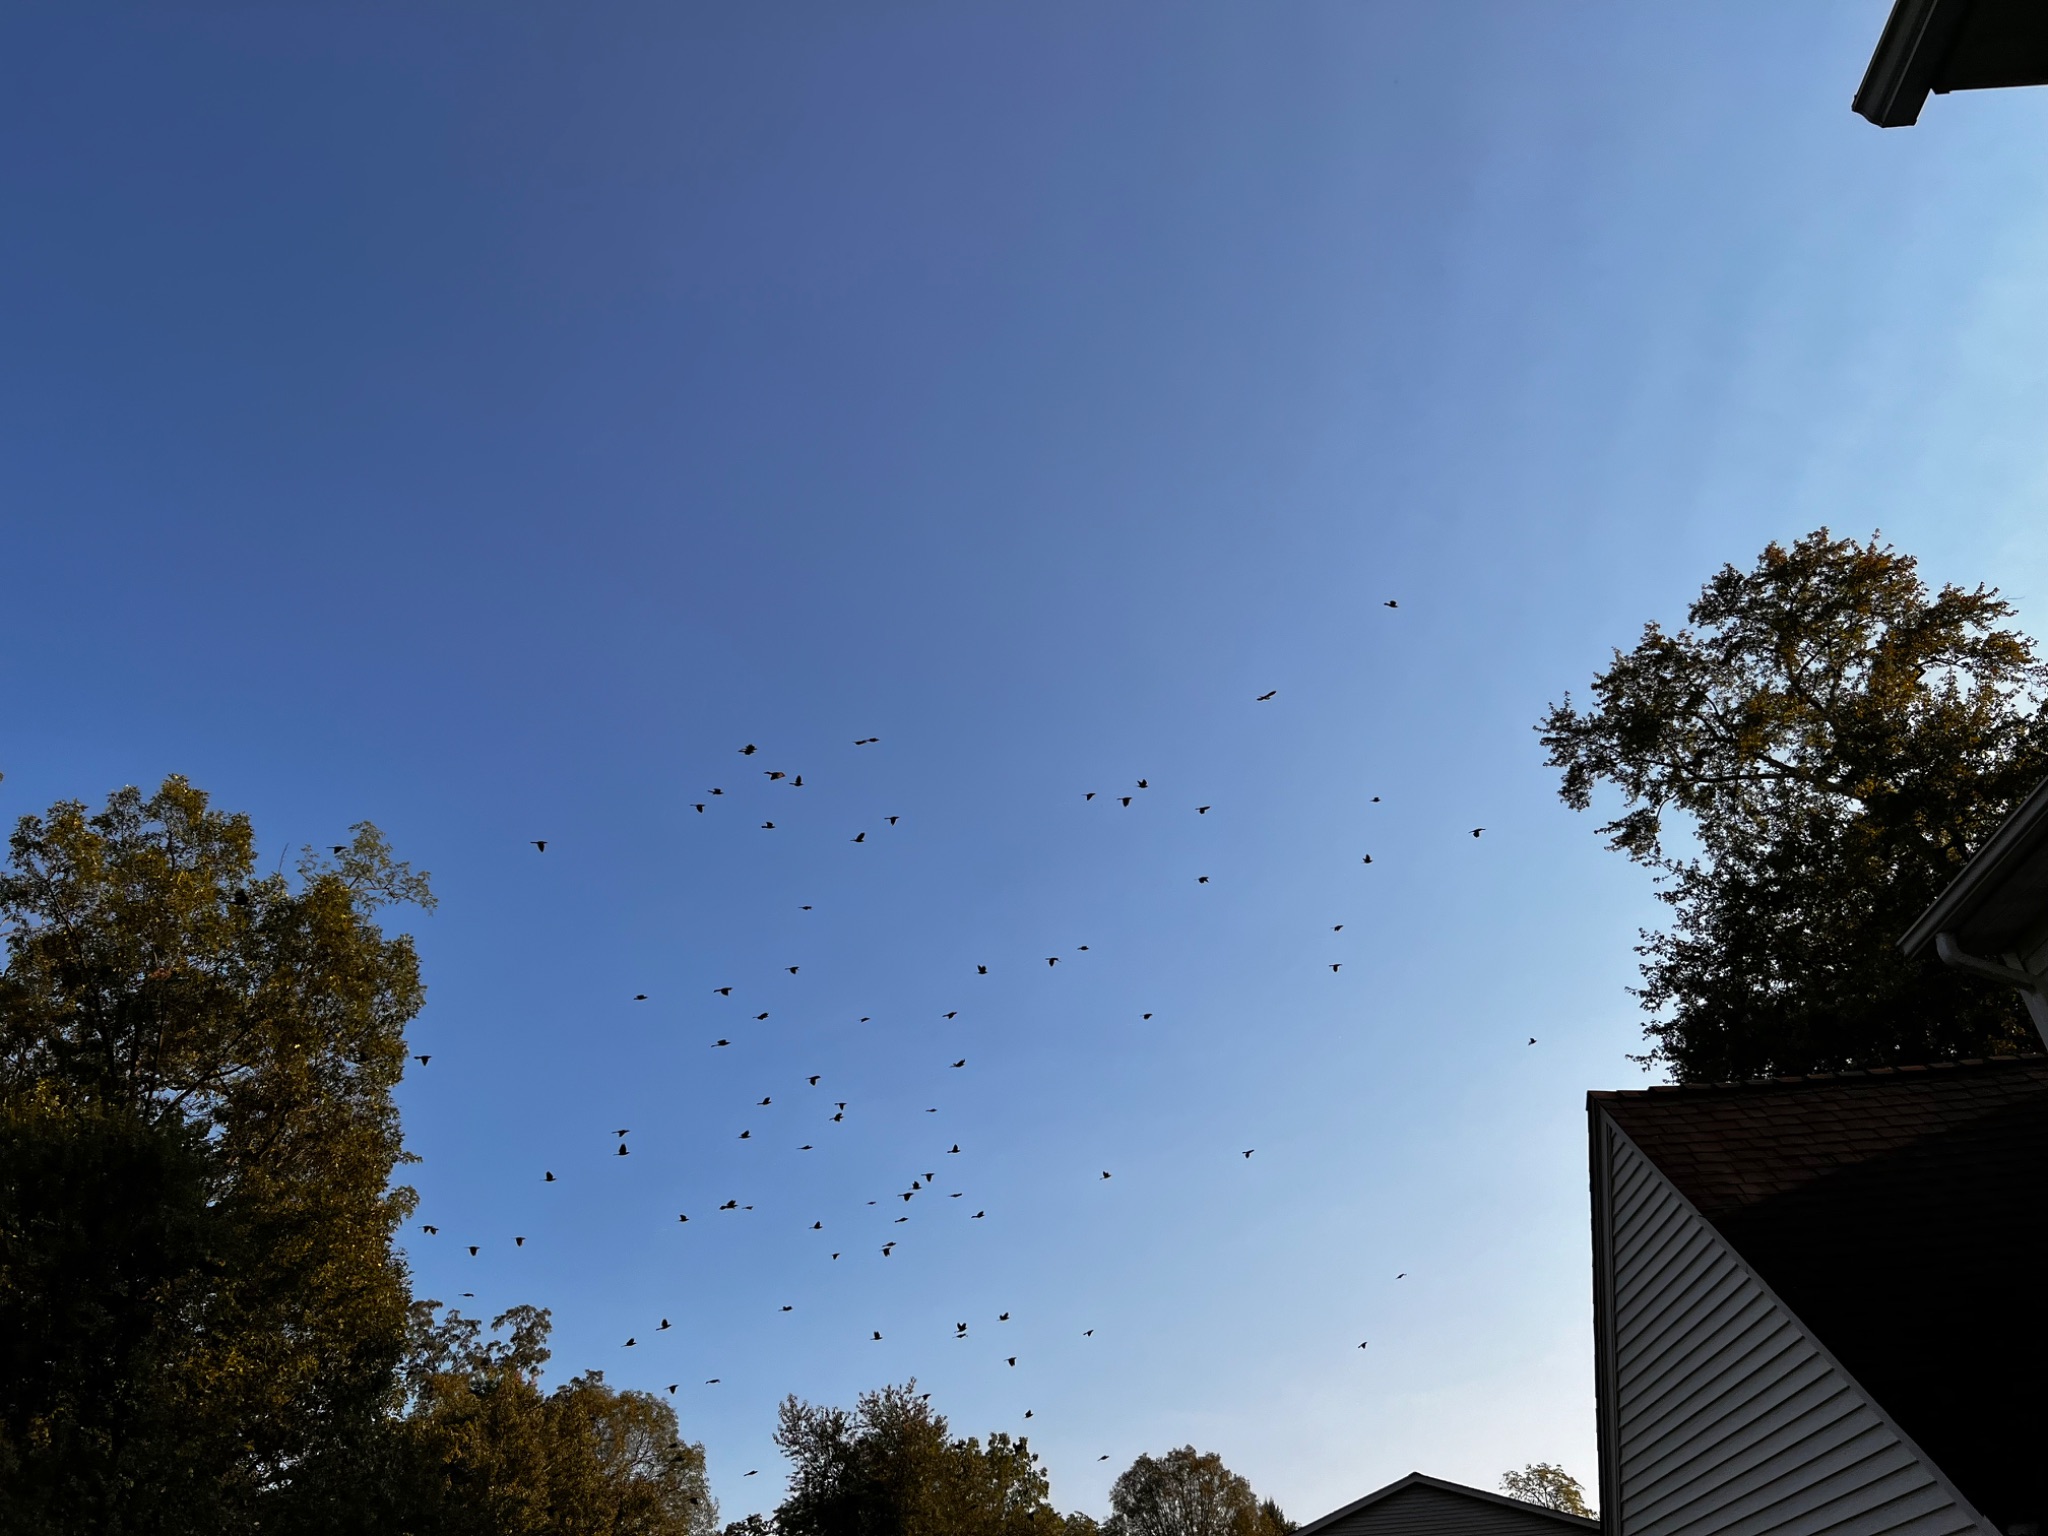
961	1062
430	1231
1361	1346
1143	784
952	1149
767	826
759	1017
639	997
789	1309
792	970
1148	1015
629	1343
954	1014
1367	859
747	750
1532	1039
717	1043
550	1176
730	1205
1336	968
718	791
1248	1151
1002	1317
623	1150
746	1136
1390	603
1105	1173
860	837
1052	959
1477	830
1265	696
867	741
723	991
1125	798
1201	810
1013	1359
423	1060
1201	879
472	1250
682	1218
664	1324
700	807
1339	928
814	1079
981	970
1089	796
340	847
541	843
894	819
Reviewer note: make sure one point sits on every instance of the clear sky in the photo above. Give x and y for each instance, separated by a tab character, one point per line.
485	419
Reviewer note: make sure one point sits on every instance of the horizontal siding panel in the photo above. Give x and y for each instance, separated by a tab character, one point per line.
1729	1419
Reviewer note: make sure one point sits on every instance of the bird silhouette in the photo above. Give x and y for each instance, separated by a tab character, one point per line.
629	1343
639	997
730	1205
759	1017
953	1149
472	1250
961	1062
718	791
1335	968
814	1079
664	1324
1201	879
977	1215
1105	1173
423	1060
1002	1317
1367	859
518	1242
746	1136
747	750
1125	798
1532	1039
700	807
1052	959
1087	1333
867	741
1338	928
1375	799
1013	1359
893	820
1248	1151
430	1231
791	969
717	1043
1146	1015
1201	810
1361	1346
1089	796
981	970
541	843
622	1133
1477	830
339	848
954	1014
1390	603
878	1333
682	1218
623	1150
767	826
1143	784
723	991
550	1176
789	1309
860	837
1265	696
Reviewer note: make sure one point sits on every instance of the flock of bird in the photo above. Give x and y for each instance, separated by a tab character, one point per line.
923	1184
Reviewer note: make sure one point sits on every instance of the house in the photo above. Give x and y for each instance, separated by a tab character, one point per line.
1429	1506
1816	1298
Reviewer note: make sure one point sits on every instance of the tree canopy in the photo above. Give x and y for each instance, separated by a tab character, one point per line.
204	1323
1547	1484
890	1466
1837	739
1187	1492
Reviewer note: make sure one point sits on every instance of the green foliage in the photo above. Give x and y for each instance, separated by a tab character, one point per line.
1187	1492
199	1062
890	1467
1838	739
488	1452
1547	1484
204	1327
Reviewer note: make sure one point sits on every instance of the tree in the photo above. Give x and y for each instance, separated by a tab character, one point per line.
1188	1493
1839	740
204	1325
890	1467
1547	1484
199	1303
486	1451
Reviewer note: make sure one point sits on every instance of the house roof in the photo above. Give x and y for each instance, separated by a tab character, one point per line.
1557	1519
1902	1214
1951	45
1998	905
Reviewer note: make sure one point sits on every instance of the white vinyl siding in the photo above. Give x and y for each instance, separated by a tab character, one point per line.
1727	1417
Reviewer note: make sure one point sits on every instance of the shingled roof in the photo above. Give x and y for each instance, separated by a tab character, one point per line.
1902	1214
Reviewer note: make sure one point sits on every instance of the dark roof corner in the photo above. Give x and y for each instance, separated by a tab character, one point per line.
1951	45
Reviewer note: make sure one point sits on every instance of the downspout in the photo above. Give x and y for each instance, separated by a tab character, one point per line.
2007	970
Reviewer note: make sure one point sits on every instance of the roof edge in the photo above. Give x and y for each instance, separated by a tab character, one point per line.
1420	1479
1912	1071
2019	836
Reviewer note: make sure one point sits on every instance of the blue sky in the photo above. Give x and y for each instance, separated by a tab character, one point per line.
484	420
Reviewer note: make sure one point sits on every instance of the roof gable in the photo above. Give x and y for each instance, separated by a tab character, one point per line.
1899	1216
1417	1505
